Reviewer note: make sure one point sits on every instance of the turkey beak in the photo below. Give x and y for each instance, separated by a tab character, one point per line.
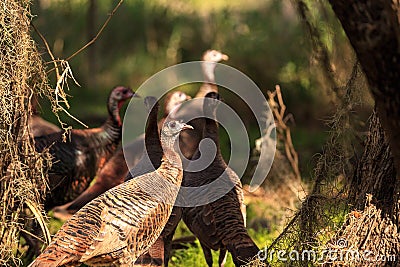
188	97
130	94
136	95
187	127
224	57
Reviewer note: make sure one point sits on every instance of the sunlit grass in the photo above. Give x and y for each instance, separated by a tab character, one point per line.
193	254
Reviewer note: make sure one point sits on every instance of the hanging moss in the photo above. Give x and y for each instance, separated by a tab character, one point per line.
22	178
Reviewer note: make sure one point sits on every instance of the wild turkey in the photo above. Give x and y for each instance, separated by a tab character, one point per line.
152	159
210	58
76	161
172	102
115	170
38	125
189	141
220	224
121	224
151	156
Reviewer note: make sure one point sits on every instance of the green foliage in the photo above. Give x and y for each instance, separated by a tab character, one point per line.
144	37
308	140
193	255
54	224
264	39
182	230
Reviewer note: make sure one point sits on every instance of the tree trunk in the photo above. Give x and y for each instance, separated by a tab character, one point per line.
375	173
373	29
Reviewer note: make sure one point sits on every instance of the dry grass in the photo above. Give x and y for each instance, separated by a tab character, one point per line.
23	173
366	238
23	178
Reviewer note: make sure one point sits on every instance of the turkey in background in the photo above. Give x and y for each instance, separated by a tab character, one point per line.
121	224
76	161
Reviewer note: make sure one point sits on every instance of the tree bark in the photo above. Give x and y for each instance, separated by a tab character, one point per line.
373	29
375	173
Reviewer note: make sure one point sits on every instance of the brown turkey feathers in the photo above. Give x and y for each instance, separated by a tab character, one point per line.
77	159
121	224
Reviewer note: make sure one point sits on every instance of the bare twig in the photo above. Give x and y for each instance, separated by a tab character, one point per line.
94	38
61	65
100	31
279	109
48	50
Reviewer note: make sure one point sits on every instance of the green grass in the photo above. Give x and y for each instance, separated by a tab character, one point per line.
193	254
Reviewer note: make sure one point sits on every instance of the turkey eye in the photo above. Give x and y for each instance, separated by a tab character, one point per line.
172	124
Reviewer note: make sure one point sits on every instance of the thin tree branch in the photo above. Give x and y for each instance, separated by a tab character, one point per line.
48	50
98	34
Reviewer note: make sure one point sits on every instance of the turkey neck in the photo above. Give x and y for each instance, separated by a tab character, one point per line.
211	131
208	71
171	163
113	124
209	77
152	139
169	106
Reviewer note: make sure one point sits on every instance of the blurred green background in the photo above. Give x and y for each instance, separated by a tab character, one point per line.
264	39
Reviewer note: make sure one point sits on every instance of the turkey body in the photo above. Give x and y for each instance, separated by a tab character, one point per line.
121	224
189	141
219	225
37	124
76	161
40	127
112	174
115	171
